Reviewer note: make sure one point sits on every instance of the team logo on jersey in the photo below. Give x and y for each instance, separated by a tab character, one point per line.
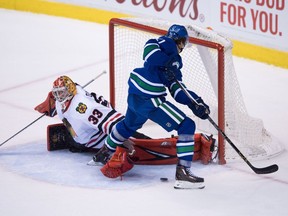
81	108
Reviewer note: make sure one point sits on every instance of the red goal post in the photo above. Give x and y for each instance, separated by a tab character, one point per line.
208	70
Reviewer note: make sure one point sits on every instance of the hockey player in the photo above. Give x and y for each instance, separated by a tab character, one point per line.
146	100
87	116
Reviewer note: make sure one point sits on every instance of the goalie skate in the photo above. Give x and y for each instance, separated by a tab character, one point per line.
94	163
101	157
185	179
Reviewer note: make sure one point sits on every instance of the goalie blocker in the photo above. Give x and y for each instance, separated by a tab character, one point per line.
147	151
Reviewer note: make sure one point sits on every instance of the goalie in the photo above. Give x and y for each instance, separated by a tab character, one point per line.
88	119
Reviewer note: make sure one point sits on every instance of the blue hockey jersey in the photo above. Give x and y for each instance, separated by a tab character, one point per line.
149	80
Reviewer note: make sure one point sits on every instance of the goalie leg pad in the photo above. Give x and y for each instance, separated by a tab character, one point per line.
117	165
207	147
154	151
160	151
197	147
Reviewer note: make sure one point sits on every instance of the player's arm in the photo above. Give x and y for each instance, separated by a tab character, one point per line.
162	56
199	108
101	100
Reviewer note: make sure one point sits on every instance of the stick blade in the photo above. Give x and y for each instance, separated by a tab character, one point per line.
266	170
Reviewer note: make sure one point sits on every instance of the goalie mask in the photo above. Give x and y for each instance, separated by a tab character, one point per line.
63	90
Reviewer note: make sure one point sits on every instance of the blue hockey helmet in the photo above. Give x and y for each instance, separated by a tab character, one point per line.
178	33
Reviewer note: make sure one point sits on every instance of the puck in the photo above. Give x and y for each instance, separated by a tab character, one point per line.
164	179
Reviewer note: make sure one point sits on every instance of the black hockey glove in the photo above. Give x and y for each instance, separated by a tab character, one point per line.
200	109
170	69
168	74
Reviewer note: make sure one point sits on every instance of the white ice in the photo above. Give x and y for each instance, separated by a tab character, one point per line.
34	50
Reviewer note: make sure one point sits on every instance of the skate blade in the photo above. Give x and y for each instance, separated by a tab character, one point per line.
188	185
93	163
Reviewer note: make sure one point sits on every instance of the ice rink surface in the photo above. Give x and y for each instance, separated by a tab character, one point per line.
34	50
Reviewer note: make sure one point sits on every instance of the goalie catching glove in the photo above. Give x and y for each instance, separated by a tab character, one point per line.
48	106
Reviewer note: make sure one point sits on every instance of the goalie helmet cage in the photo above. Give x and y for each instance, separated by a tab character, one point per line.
207	69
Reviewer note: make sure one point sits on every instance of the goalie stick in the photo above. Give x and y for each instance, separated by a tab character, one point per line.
45	113
264	170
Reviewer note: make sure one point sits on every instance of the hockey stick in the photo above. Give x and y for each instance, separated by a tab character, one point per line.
104	72
45	113
22	129
264	170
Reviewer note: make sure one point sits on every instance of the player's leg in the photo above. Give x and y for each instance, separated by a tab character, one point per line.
119	162
171	118
185	179
120	133
125	129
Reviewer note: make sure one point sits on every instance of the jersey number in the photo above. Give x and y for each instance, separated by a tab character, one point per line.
94	118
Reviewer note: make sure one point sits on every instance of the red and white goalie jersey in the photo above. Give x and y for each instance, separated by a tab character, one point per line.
88	118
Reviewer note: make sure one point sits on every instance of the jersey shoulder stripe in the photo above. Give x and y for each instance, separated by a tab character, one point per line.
151	46
149	49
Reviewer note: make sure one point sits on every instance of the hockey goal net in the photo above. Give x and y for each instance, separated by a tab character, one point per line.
208	70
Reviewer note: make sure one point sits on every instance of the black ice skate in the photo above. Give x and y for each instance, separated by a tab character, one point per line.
101	157
185	179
